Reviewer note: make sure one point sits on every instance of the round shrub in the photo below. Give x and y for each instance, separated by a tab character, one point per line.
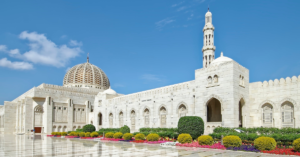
232	141
185	138
53	133
63	133
58	133
205	140
71	134
82	134
88	134
118	135
94	134
127	136
88	128
139	136
296	145
265	143
192	125
76	133
153	137
109	135
125	129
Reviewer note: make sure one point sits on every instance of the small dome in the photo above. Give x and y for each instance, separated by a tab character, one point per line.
221	59
208	13
86	75
110	91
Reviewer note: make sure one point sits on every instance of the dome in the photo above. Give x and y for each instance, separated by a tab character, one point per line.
221	59
208	13
86	75
110	91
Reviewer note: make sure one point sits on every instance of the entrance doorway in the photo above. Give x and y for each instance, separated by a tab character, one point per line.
38	129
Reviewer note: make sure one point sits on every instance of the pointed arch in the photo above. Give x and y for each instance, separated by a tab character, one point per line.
288	100
180	104
214	107
158	109
266	102
211	97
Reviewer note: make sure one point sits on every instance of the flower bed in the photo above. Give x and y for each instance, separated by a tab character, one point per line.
138	141
50	135
282	151
248	148
126	140
86	137
71	137
196	144
57	135
155	142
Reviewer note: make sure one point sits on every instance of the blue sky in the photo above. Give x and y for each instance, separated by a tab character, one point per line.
142	45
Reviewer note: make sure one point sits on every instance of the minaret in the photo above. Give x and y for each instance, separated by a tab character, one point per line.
208	40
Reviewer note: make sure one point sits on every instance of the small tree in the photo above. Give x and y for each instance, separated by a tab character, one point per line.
88	128
192	125
125	129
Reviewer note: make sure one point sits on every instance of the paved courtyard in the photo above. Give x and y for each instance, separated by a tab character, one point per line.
42	146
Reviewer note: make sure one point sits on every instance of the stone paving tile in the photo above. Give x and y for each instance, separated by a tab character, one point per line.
26	146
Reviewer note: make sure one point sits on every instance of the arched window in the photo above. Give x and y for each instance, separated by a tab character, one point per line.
209	80
287	113
267	115
110	120
163	117
216	79
121	119
132	117
182	110
147	117
100	118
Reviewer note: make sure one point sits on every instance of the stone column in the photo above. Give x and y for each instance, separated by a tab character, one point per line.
28	114
70	117
47	115
87	111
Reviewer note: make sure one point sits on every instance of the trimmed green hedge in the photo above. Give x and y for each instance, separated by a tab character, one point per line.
156	130
259	130
106	130
161	134
192	125
89	128
125	129
253	136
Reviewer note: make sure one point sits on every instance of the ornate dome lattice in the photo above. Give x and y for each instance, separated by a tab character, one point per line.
86	75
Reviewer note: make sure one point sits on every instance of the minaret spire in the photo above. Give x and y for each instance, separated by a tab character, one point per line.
88	58
208	40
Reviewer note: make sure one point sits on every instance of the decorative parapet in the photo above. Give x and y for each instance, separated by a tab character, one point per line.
42	91
153	92
92	91
276	82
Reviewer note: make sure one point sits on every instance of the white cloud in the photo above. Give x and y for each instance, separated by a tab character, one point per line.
3	48
182	8
151	77
177	4
44	51
75	43
162	23
15	65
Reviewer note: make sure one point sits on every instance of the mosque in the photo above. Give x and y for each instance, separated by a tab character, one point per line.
220	94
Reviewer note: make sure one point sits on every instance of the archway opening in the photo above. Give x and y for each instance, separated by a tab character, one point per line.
121	119
214	111
38	118
241	119
182	110
132	117
100	118
163	117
